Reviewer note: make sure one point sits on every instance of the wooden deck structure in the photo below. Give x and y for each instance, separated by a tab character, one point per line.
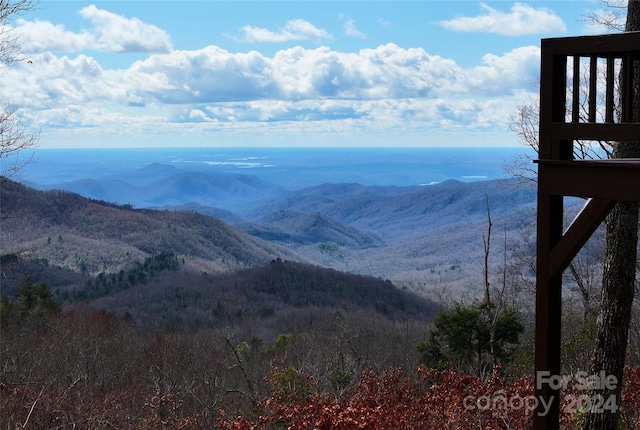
586	94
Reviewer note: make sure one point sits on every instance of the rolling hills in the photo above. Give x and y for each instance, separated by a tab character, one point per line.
278	296
158	185
308	228
69	231
178	267
396	213
424	237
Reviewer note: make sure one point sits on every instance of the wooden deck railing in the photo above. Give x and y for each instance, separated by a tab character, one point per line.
586	95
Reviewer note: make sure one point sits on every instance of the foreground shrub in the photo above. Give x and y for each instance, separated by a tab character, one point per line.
439	399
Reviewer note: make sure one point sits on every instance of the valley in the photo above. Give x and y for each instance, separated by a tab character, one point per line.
426	237
201	282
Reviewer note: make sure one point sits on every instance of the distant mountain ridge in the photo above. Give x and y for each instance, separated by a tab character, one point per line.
410	234
71	230
248	202
397	212
158	185
308	228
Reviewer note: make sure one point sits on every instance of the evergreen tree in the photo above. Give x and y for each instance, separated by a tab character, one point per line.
34	305
461	338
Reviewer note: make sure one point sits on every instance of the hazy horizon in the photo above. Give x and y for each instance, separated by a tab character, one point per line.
289	167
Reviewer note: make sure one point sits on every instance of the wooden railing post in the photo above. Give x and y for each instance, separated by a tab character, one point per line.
602	181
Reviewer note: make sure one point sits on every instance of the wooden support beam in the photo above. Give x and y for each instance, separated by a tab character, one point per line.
615	179
553	100
548	314
600	45
577	234
606	132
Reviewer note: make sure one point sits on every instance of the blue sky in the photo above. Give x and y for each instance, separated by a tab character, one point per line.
282	73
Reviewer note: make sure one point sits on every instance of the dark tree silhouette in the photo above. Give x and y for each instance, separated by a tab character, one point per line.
618	281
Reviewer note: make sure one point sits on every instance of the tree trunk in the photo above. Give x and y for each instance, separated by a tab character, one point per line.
615	314
618	283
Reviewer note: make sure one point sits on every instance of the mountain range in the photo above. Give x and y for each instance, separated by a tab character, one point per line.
69	230
422	237
160	185
175	267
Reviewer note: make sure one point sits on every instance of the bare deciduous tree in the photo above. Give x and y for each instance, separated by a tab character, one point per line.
15	137
15	141
610	16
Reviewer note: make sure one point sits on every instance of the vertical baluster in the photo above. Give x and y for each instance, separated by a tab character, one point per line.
610	85
625	86
634	92
593	89
575	103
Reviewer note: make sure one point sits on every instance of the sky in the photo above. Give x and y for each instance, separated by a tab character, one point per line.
281	73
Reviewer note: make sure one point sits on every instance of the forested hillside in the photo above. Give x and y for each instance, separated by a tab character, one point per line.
177	268
278	297
425	237
309	228
396	213
91	236
145	310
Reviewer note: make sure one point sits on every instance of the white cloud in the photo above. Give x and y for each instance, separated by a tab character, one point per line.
295	90
513	71
50	81
117	33
521	20
109	32
351	30
296	29
212	75
198	115
343	118
40	36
